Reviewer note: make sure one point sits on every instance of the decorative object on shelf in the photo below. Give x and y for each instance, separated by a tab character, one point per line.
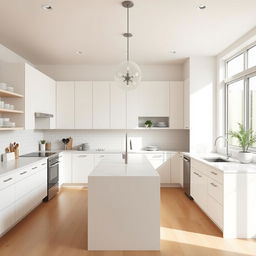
148	124
67	143
128	74
42	145
246	138
161	124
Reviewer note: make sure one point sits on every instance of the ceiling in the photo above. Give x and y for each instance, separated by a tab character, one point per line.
95	27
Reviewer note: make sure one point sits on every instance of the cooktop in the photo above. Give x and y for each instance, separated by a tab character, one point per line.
39	154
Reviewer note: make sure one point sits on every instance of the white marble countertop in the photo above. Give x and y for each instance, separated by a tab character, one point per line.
138	165
14	165
233	166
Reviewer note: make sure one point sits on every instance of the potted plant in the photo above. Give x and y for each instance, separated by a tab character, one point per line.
148	124
246	138
42	145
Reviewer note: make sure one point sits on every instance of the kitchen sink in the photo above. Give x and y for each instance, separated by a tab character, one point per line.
216	160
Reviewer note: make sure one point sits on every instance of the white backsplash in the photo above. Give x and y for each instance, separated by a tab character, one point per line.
28	140
114	139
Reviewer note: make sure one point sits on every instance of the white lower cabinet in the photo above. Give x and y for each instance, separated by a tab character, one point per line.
199	188
20	192
82	165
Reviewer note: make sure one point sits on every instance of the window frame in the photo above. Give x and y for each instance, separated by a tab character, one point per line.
245	75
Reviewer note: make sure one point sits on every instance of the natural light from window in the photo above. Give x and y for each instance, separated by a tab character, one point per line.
235	65
252	57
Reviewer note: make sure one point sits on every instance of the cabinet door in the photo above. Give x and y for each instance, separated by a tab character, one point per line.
186	104
65	105
65	168
7	218
154	98
199	188
175	169
101	105
117	107
176	120
133	105
83	105
82	165
165	172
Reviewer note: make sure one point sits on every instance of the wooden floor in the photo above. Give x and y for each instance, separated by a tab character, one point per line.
59	228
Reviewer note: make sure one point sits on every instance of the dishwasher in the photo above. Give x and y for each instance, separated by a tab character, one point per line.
186	176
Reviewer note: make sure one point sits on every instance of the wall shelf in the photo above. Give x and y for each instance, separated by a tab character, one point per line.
11	128
2	111
4	93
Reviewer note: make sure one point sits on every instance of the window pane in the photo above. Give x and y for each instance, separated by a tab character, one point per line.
235	107
236	65
252	95
252	57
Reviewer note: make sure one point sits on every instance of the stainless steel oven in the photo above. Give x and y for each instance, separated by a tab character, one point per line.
53	176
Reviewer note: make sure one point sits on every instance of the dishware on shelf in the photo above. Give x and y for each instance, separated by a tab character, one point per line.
161	124
7	106
11	107
3	86
1	121
1	104
10	88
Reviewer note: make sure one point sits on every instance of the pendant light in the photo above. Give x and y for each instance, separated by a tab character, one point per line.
128	74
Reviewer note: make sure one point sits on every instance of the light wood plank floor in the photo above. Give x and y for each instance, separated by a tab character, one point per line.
59	228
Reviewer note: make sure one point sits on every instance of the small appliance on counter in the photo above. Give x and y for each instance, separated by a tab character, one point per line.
52	172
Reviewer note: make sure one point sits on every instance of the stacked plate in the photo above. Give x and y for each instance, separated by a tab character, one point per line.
152	148
161	124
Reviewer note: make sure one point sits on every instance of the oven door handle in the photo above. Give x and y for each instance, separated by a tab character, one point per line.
54	164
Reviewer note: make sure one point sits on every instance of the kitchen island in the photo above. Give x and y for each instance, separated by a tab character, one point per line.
124	205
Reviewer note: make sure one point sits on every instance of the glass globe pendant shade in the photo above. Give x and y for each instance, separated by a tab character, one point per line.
128	75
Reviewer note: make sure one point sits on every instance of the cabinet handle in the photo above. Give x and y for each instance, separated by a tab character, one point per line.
34	168
82	156
213	184
214	173
22	173
43	164
8	180
197	174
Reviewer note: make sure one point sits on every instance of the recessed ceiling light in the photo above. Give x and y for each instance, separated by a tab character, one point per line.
173	51
79	52
202	7
46	7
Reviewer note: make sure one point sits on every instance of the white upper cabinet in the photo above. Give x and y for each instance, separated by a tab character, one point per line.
133	105
153	98
176	118
186	104
83	105
39	96
101	105
65	105
117	107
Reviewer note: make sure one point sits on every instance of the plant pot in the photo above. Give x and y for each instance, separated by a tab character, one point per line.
244	157
42	147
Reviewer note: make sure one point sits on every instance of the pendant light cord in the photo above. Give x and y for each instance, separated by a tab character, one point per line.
128	35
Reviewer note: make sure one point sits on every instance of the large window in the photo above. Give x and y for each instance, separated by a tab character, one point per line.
241	90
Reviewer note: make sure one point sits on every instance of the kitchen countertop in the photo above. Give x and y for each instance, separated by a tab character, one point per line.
14	165
233	166
138	165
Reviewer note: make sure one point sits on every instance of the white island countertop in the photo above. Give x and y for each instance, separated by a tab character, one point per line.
14	165
138	165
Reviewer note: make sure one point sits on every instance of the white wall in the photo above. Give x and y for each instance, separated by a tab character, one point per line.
202	87
106	72
27	139
114	139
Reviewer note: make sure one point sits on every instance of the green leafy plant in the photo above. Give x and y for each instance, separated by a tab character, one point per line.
246	138
148	123
42	141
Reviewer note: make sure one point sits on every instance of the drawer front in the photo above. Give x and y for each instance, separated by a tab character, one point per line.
215	211
215	190
7	218
215	174
7	196
8	180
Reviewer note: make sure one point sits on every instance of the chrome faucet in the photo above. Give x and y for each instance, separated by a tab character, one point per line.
227	146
